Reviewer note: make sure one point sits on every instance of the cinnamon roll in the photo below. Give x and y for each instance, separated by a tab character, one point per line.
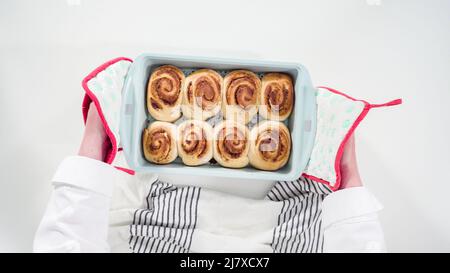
159	142
241	90
270	145
202	95
164	93
231	144
277	96
195	142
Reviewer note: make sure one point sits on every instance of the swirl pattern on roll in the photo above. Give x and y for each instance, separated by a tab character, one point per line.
164	93
195	142
202	94
241	95
277	96
231	144
270	145
159	142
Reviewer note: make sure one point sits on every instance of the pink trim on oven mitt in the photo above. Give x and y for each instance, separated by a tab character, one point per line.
103	88
338	115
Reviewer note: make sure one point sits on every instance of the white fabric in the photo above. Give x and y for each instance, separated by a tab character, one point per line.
76	219
352	211
335	116
79	172
193	219
186	219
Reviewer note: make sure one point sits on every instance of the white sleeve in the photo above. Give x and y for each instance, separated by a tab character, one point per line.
351	223
76	218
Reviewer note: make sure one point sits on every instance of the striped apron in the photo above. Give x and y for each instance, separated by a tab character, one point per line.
192	219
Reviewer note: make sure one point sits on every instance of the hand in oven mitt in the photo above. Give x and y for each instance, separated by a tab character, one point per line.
103	88
338	115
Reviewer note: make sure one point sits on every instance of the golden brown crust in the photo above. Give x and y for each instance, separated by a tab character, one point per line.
164	93
270	145
202	94
195	142
241	95
231	144
159	142
277	96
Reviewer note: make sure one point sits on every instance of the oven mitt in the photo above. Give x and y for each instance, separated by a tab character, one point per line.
338	115
103	88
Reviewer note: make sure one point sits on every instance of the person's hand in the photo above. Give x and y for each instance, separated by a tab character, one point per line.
95	142
349	168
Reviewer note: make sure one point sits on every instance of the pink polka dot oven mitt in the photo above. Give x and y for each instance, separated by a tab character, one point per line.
338	115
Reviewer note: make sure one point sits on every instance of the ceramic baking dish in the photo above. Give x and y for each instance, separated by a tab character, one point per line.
135	117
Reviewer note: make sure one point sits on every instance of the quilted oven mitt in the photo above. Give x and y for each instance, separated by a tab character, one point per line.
338	115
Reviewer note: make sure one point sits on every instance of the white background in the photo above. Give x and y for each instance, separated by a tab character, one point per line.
371	49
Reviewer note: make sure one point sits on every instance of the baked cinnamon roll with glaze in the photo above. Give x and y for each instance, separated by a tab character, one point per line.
159	142
231	144
241	90
195	142
276	97
270	145
164	93
202	94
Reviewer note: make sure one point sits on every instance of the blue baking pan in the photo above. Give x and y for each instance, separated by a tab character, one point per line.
135	117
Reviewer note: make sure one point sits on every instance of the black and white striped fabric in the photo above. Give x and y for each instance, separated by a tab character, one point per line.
169	220
299	222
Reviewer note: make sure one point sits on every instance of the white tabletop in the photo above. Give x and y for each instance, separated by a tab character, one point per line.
372	49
